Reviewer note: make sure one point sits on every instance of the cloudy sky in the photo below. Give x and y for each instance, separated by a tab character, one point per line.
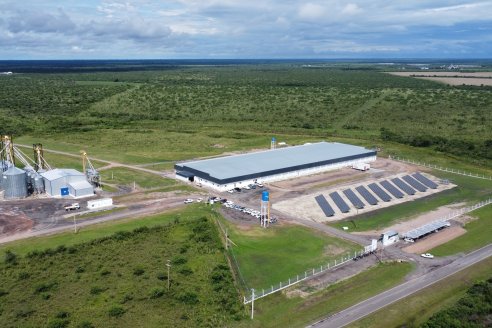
72	29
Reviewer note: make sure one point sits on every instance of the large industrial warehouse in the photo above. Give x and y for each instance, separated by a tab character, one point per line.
272	165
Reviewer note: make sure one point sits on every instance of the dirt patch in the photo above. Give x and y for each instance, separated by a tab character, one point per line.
13	222
445	74
452	78
291	293
435	240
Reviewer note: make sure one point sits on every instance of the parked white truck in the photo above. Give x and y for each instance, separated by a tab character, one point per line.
361	166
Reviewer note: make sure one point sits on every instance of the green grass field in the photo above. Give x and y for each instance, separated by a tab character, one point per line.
278	310
121	281
268	256
468	190
478	234
416	309
127	177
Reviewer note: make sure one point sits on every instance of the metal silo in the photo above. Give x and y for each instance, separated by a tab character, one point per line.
14	183
38	183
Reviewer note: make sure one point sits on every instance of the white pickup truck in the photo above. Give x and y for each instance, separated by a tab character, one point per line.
72	207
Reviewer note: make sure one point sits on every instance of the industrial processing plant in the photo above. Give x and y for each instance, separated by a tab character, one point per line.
224	173
37	177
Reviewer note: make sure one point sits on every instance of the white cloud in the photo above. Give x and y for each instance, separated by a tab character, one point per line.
311	11
351	9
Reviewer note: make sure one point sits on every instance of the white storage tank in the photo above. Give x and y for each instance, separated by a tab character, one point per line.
99	203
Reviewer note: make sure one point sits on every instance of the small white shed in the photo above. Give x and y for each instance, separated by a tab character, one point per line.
99	203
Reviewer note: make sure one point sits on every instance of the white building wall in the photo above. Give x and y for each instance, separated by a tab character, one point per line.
279	177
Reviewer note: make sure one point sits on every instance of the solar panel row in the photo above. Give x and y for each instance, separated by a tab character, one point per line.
403	186
392	189
370	199
344	208
380	192
429	183
414	183
325	207
352	197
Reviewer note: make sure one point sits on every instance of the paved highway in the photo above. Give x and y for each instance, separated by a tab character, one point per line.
388	297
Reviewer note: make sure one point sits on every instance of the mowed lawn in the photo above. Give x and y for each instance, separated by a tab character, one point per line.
478	234
127	177
121	281
269	256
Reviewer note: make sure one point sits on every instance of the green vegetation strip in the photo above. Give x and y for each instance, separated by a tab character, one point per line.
416	309
121	281
478	234
278	310
268	256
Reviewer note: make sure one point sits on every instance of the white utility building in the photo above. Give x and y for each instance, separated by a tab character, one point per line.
67	182
229	172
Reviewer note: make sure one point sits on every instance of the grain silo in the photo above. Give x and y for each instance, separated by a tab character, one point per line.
14	183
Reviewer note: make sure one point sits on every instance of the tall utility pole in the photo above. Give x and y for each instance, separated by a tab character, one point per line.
168	264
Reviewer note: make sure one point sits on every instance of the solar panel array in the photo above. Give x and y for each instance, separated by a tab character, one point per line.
392	189
403	186
380	192
370	199
414	183
352	197
429	183
344	208
325	207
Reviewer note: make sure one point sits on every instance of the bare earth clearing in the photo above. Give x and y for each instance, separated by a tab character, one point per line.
452	78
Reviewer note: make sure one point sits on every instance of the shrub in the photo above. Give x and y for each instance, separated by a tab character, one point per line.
63	315
161	276
79	269
185	271
179	260
23	275
58	323
116	311
85	324
138	271
156	293
3	293
188	298
45	287
10	257
96	290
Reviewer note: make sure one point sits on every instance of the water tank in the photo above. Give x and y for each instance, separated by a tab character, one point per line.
14	183
38	183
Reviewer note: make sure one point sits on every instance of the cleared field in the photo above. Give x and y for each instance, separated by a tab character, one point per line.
445	74
416	309
452	78
127	177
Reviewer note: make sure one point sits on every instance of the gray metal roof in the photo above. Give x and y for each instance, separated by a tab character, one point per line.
60	173
271	160
424	230
78	185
